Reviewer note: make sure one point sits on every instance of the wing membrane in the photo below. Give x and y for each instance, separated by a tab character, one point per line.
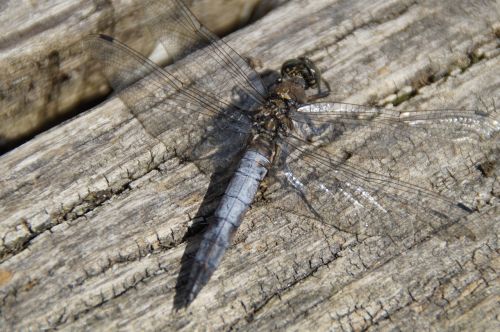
182	35
377	171
396	140
169	106
359	201
456	123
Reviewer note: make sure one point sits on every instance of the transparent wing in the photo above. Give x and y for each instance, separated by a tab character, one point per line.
196	124
387	172
320	118
395	139
183	35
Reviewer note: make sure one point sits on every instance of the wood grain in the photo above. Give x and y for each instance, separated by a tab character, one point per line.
98	218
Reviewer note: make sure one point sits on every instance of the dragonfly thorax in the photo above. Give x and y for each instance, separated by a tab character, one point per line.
290	91
273	118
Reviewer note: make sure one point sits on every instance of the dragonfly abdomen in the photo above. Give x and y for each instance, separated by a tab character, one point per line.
236	200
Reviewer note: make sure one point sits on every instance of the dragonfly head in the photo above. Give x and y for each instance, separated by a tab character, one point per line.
301	69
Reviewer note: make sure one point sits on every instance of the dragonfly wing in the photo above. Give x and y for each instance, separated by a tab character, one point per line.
197	125
357	200
446	123
375	171
437	142
183	35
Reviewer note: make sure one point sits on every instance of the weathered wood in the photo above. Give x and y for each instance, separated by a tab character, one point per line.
95	213
44	77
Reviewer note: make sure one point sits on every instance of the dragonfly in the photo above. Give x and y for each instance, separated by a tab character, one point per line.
223	113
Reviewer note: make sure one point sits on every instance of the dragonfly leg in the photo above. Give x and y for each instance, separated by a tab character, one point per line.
321	94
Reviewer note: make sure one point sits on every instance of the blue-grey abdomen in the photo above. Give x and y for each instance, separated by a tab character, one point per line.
235	202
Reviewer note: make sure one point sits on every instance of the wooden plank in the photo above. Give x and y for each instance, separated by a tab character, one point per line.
98	218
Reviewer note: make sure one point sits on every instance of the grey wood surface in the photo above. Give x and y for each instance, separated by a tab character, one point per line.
97	218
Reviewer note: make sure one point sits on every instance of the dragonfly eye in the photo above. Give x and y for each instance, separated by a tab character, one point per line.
302	68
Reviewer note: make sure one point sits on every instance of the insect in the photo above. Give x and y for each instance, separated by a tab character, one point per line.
225	112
